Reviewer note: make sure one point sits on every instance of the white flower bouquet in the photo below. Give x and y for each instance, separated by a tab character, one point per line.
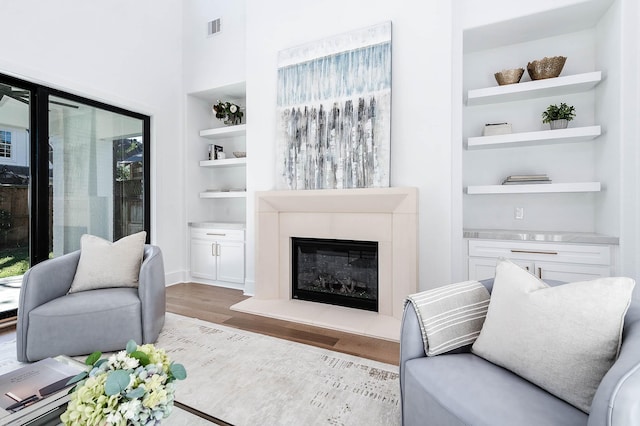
228	112
131	387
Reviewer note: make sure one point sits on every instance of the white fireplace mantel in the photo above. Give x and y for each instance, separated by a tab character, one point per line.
386	215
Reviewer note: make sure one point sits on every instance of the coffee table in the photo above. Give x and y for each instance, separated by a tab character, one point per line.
47	411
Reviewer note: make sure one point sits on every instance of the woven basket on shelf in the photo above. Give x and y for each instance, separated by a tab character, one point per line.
509	76
546	67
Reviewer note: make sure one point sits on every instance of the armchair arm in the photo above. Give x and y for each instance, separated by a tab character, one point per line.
42	283
411	343
152	293
616	402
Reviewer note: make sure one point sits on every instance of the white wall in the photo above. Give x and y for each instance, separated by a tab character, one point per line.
217	60
120	52
630	136
421	102
426	116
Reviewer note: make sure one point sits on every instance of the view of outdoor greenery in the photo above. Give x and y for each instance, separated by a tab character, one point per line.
14	261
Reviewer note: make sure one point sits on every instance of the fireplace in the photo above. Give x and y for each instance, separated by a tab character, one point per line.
337	272
388	216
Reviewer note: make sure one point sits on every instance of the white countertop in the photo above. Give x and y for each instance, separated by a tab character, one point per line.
218	225
541	236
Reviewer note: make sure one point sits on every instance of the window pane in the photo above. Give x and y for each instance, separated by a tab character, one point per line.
14	193
96	173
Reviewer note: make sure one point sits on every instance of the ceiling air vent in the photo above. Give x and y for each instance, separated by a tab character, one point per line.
214	26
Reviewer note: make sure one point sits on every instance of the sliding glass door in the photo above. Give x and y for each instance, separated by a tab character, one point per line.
15	139
97	173
68	166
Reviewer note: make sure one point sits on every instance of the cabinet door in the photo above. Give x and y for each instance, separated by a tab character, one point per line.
481	268
569	273
203	261
231	261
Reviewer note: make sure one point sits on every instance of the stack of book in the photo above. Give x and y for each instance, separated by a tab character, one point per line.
526	179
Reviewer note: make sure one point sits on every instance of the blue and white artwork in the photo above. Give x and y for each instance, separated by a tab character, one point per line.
334	111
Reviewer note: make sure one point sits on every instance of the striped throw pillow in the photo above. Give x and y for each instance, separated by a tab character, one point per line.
450	316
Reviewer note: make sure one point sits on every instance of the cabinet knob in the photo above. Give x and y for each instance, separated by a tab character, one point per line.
217	235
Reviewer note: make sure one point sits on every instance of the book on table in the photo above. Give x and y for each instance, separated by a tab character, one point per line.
34	382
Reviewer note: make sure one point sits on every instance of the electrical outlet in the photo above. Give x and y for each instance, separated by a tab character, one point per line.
519	213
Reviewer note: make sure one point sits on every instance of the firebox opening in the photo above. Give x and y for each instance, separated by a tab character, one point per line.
337	272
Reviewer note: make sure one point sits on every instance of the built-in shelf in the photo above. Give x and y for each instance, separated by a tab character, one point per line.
223	194
544	137
534	188
224	132
227	162
535	89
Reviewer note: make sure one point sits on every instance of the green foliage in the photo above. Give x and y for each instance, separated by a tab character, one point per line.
555	112
14	261
132	346
93	358
140	356
136	393
229	112
5	220
178	371
117	381
78	377
123	172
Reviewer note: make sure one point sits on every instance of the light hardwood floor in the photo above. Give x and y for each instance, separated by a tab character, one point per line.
212	304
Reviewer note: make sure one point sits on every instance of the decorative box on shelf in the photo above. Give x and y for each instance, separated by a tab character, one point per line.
493	129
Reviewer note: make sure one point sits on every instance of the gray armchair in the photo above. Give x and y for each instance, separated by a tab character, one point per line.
460	388
52	322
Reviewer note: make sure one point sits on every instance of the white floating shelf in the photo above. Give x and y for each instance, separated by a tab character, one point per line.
535	188
544	137
227	162
224	132
223	194
535	89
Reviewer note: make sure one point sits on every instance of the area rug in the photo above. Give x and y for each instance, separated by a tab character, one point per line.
246	378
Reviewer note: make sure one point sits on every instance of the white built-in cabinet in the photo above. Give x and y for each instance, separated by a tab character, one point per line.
217	255
548	261
582	161
216	198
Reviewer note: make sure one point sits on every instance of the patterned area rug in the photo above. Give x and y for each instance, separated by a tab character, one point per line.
246	378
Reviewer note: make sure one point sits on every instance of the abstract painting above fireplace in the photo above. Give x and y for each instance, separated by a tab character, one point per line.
334	111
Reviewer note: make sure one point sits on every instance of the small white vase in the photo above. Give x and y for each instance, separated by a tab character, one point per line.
559	124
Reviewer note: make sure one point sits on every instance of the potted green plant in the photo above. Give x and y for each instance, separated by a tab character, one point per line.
228	112
558	117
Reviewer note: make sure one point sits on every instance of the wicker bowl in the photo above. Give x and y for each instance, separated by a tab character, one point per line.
509	76
546	67
239	154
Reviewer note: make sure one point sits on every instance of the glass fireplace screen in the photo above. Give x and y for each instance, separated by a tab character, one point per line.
338	272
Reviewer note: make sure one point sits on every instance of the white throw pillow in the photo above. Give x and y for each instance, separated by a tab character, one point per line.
104	264
564	338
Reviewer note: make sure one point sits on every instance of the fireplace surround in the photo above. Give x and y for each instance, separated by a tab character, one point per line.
388	216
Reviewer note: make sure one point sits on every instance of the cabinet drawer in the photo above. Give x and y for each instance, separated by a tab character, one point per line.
217	234
552	252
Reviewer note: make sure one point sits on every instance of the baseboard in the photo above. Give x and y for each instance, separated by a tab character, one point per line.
175	278
249	287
